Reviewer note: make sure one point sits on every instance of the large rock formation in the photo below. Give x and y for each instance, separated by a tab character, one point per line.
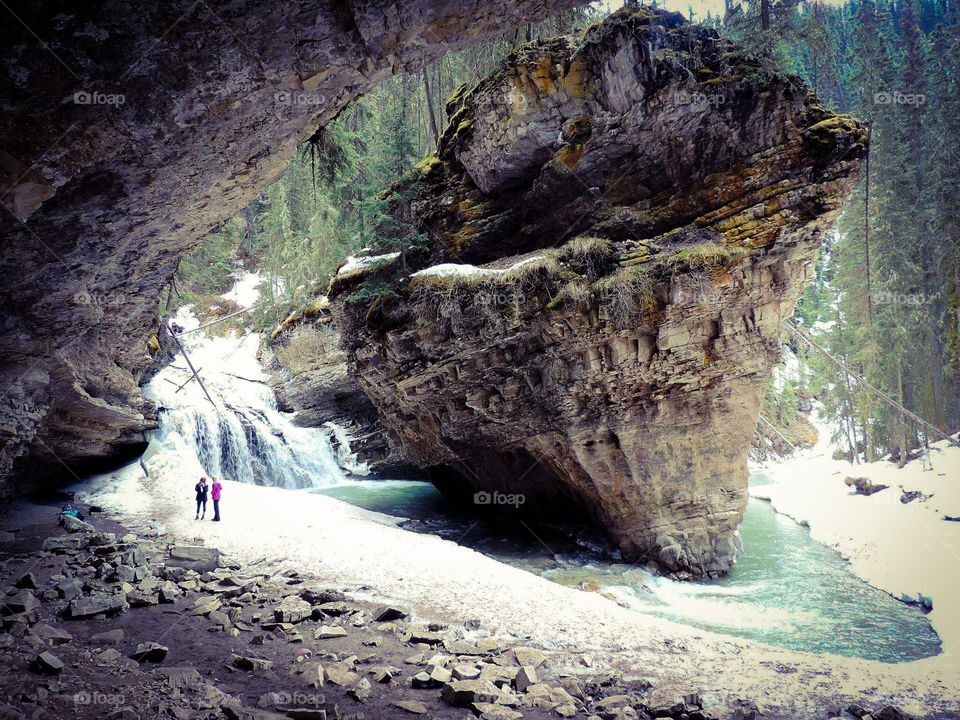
129	131
645	204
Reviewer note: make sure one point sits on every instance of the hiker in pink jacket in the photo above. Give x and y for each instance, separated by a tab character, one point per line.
215	494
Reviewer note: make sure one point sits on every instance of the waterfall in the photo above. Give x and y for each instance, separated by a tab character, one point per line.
241	436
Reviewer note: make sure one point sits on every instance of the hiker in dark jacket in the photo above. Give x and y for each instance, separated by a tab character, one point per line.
201	488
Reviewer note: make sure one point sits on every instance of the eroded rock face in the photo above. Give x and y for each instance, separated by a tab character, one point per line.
646	205
128	132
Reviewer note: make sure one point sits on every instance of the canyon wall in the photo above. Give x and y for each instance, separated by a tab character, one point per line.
128	132
588	300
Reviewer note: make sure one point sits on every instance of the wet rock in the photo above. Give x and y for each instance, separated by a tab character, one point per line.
361	690
342	675
250	664
332	609
108	637
48	664
387	613
21	602
463	693
459	647
50	635
863	486
328	632
528	657
890	713
69	588
180	677
194	557
292	610
492	711
428	637
60	544
81	607
525	677
498	674
321	597
421	681
149	652
465	671
27	581
411	706
383	673
75	525
169	592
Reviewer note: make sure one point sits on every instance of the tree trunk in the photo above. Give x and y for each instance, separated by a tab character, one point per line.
434	133
902	450
765	15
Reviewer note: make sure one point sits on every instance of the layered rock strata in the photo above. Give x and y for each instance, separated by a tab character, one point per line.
589	301
128	132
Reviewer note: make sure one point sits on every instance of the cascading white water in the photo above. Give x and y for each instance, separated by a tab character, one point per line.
241	435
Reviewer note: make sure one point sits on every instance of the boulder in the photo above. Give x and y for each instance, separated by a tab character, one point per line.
48	664
492	711
327	632
149	652
86	606
525	677
292	610
250	664
180	677
194	557
463	693
602	376
21	602
107	637
49	635
27	581
411	706
388	613
528	657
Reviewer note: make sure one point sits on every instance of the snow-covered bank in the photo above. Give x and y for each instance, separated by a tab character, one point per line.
907	549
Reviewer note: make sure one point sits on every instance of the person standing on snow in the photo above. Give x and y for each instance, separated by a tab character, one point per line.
215	494
201	489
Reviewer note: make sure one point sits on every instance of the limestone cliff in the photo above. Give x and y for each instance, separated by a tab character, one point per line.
588	303
128	132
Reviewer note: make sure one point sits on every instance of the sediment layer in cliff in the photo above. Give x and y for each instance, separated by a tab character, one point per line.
588	302
128	134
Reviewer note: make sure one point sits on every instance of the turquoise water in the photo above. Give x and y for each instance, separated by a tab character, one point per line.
786	589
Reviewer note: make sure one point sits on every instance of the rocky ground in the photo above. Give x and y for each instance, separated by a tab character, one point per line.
99	622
